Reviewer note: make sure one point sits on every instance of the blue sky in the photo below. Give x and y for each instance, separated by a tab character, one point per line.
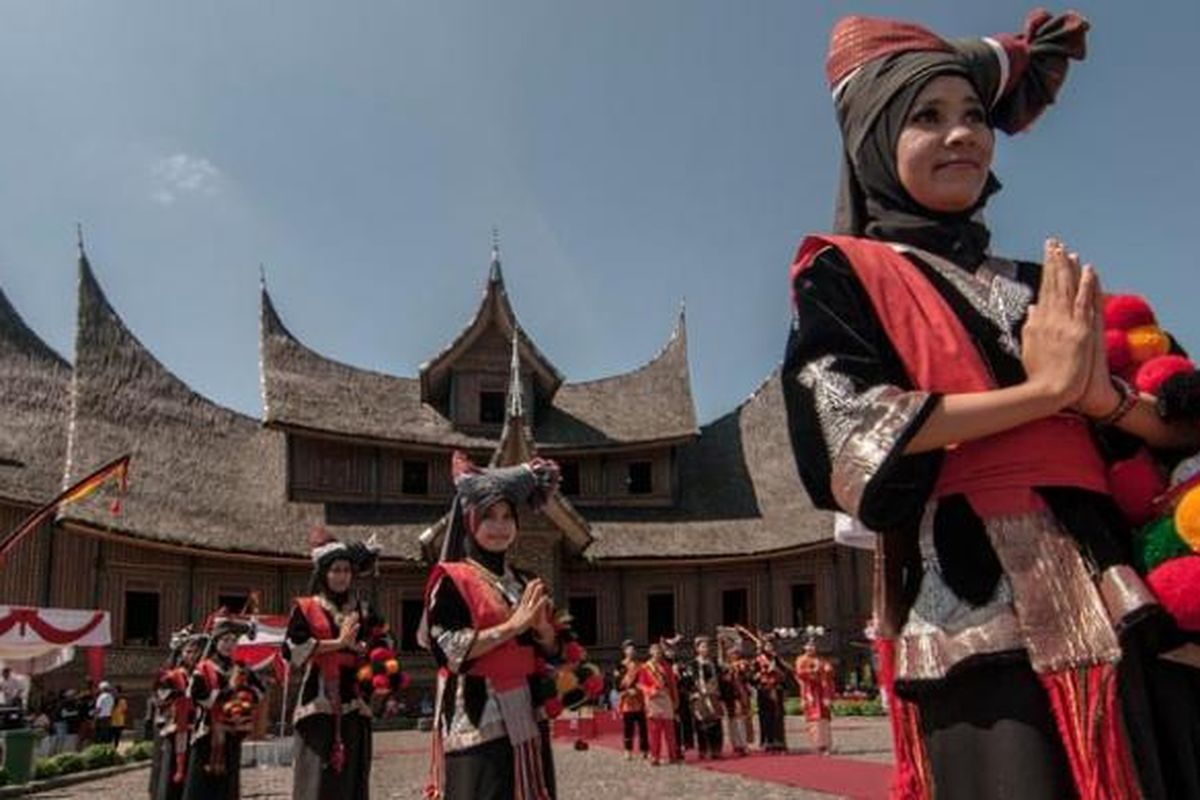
632	153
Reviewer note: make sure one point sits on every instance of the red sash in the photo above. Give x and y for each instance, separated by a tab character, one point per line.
507	665
997	473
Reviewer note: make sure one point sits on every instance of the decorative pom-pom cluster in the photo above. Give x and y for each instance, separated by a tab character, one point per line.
1138	349
381	674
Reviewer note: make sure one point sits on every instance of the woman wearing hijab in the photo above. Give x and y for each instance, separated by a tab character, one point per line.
330	635
173	715
930	397
489	626
220	686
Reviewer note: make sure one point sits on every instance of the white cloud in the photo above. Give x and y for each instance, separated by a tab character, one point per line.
181	174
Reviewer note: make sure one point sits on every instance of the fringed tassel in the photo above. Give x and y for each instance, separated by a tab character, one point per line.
435	783
912	779
1084	702
530	778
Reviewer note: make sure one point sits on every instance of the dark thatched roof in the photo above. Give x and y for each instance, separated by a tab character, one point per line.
201	475
33	411
303	389
651	403
740	495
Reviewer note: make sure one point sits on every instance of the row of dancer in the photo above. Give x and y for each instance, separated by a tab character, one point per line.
671	703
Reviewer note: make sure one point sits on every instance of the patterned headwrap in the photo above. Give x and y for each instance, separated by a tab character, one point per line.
877	67
363	556
479	489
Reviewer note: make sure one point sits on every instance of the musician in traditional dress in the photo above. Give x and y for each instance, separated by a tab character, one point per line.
490	626
705	700
225	695
630	704
735	691
330	635
817	689
769	677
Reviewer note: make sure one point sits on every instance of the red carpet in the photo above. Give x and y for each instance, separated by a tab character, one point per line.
846	777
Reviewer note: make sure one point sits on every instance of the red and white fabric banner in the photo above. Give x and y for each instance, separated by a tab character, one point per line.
35	640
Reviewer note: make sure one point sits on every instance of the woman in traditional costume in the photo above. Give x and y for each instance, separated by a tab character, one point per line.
224	694
705	699
330	635
931	399
490	626
173	715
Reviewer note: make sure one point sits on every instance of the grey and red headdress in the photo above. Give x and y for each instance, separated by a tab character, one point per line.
363	556
478	489
876	68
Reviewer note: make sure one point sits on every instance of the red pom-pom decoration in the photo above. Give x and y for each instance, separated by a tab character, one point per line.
573	652
1174	582
553	707
594	686
382	654
1116	345
1125	311
1134	483
1155	372
381	684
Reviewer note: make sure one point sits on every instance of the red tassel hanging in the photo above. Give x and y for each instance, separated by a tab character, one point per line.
1084	702
911	781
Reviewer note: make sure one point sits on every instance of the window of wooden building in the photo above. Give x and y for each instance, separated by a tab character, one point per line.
804	604
410	621
569	478
491	408
415	476
735	607
660	615
641	477
141	618
584	618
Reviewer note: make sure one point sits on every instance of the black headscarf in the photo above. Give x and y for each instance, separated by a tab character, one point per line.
874	101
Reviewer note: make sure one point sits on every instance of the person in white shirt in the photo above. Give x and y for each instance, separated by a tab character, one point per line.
12	688
105	701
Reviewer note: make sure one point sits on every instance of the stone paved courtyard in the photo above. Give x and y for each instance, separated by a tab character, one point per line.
401	760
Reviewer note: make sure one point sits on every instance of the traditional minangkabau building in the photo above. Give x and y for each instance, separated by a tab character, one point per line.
661	524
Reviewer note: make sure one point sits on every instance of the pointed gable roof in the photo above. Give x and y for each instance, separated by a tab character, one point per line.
494	311
33	411
651	403
201	475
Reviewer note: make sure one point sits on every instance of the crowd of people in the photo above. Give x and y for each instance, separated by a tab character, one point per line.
723	693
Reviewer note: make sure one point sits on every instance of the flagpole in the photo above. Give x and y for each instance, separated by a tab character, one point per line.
287	677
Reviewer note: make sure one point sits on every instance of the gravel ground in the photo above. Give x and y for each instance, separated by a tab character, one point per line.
401	761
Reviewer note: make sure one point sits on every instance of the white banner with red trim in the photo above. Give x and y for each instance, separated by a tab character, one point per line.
34	640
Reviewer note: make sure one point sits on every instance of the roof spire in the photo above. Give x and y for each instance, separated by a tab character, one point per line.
262	276
516	402
495	265
79	241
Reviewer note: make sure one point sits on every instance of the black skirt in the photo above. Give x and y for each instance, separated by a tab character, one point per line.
485	772
205	784
313	778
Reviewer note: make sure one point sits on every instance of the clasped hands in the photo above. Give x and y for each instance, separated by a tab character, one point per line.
1062	341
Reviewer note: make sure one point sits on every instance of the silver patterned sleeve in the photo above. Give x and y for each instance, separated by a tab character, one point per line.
455	645
863	428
